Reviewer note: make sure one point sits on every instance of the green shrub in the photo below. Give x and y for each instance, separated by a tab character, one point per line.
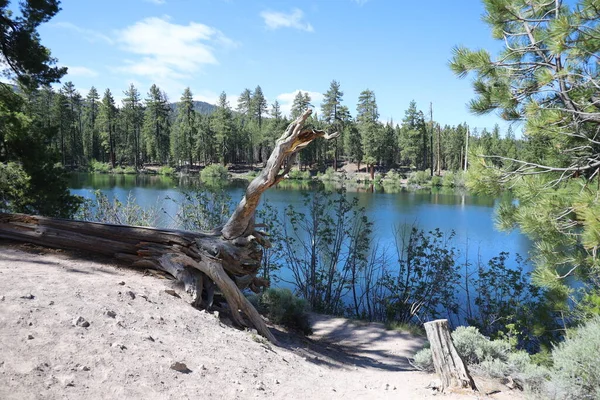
448	179
99	167
14	185
576	372
300	175
454	179
166	170
423	360
129	170
392	178
436	181
214	172
328	175
419	178
493	358
475	348
282	307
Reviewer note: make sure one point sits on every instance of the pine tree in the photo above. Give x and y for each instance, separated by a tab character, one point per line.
245	102
157	128
258	105
223	127
108	119
132	119
184	129
276	111
412	137
91	144
329	113
367	115
300	104
544	77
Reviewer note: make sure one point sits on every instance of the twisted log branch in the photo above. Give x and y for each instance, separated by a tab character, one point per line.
229	256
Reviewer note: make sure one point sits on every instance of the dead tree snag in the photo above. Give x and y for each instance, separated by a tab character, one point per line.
230	256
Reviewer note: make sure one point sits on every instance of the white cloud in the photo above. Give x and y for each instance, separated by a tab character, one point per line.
294	19
169	50
360	2
81	71
286	100
157	2
90	35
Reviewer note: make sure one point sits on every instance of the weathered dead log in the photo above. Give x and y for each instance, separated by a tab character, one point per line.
448	364
229	256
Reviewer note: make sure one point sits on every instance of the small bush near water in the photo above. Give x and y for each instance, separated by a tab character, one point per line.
214	172
419	178
283	308
297	174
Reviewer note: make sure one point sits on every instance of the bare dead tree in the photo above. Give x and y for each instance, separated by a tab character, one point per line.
228	256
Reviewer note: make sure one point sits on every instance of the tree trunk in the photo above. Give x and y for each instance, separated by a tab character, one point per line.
449	366
229	256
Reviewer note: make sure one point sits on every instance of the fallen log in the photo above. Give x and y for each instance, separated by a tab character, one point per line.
228	257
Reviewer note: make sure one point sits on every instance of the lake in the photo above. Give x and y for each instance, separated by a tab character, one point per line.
471	217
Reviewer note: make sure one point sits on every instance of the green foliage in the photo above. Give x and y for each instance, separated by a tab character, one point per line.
283	308
436	181
554	176
505	301
300	175
494	358
420	178
576	371
413	329
327	251
454	179
328	175
426	278
423	360
392	178
98	167
272	255
202	210
214	172
102	209
166	170
14	185
475	348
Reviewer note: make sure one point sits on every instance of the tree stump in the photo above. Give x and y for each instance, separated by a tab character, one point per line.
448	364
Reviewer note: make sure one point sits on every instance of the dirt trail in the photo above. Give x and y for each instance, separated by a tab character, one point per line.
137	332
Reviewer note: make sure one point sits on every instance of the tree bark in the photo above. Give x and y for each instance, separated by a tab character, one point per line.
448	364
229	256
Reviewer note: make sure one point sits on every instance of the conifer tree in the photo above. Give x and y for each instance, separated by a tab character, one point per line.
91	144
367	115
329	113
545	77
184	130
157	128
223	127
108	119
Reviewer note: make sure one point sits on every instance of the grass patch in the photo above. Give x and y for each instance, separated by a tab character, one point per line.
415	330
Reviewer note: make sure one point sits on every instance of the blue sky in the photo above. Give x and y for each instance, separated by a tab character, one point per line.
399	49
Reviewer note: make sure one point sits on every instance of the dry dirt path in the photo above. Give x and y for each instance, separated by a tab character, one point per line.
137	331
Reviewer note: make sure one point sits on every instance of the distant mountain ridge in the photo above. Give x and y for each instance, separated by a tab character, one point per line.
201	107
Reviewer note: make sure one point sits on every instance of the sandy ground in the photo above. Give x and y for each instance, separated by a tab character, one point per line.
137	333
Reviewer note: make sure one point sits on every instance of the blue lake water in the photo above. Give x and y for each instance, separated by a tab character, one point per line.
470	217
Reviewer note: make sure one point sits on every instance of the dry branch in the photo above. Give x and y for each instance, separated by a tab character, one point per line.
229	256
